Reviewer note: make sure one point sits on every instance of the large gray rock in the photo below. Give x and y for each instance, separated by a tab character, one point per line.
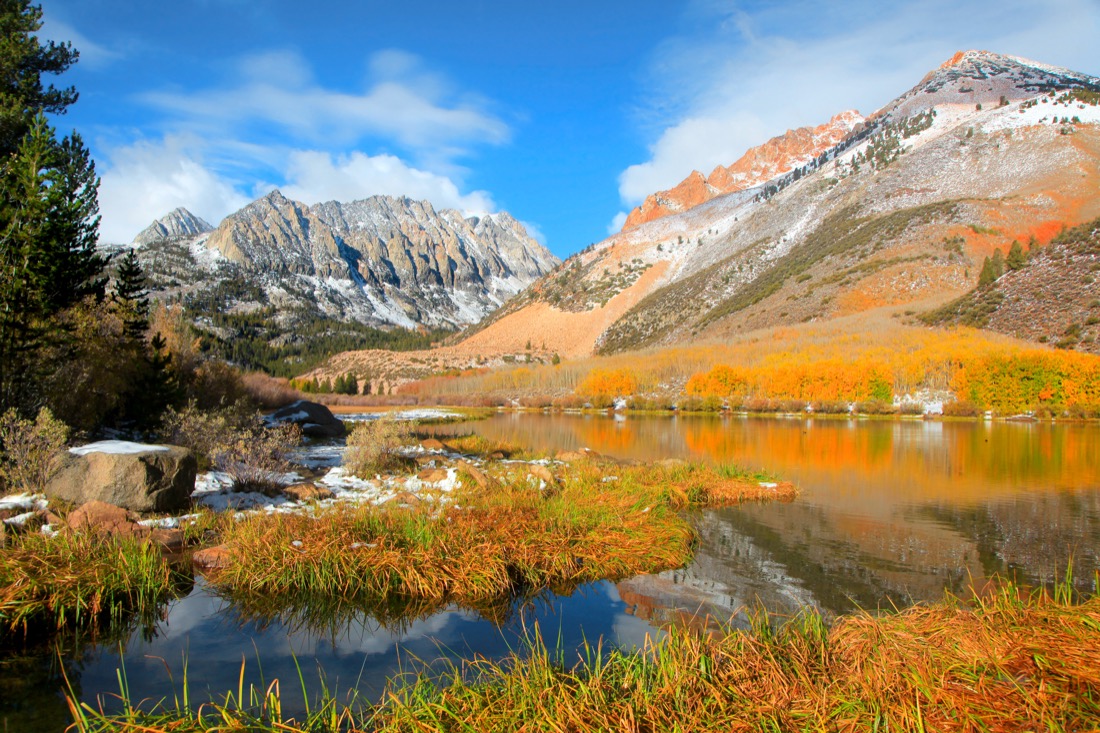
134	476
316	420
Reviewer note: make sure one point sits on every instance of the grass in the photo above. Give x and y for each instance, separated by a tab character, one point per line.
1005	661
512	535
77	581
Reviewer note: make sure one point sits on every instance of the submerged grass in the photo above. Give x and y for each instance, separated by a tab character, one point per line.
1003	662
509	532
77	581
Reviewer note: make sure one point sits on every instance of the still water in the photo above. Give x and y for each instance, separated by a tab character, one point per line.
890	512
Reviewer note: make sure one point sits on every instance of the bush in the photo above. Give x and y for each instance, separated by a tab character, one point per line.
28	449
204	431
876	407
649	403
911	408
215	384
257	457
962	408
830	407
372	447
568	402
536	401
710	403
268	392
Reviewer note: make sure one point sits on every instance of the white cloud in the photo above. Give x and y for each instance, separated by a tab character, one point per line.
144	181
313	176
534	232
92	54
401	103
617	222
744	76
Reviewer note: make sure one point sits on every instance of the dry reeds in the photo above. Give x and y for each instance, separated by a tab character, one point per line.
77	580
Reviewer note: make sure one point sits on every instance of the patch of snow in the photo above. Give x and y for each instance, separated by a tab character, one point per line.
26	502
117	447
20	519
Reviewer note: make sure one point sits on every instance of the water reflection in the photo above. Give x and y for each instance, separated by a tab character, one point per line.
891	511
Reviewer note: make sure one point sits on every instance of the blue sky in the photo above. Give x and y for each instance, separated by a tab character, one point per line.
564	114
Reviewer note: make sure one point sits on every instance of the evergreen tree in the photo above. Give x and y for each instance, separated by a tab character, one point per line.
48	208
987	277
998	263
1016	258
132	296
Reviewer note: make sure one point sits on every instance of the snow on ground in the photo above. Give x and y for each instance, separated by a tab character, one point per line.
425	413
26	502
117	447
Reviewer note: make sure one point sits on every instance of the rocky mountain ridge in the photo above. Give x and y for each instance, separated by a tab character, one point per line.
381	261
760	164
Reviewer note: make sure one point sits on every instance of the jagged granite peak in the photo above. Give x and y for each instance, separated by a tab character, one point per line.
178	223
409	263
758	165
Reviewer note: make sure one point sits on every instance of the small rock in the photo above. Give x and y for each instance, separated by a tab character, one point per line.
569	456
426	460
212	558
496	456
307	492
99	516
406	497
170	540
476	474
432	475
432	444
542	473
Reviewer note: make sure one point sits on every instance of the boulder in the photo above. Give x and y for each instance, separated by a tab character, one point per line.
432	444
134	476
316	420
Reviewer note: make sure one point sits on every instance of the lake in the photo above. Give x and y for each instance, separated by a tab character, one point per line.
891	512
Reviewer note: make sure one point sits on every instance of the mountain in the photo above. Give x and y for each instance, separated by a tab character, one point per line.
777	156
382	261
177	223
899	214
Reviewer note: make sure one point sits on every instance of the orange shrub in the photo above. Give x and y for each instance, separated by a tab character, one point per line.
609	383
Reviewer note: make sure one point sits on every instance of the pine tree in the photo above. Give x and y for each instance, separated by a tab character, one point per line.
48	205
132	296
987	276
998	264
1016	258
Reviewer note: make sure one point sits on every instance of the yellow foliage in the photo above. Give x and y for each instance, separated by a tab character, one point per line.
609	383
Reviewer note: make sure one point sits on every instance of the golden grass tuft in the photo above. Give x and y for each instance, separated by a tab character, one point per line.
506	536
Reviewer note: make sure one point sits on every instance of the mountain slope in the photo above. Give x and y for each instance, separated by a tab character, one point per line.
986	149
1053	298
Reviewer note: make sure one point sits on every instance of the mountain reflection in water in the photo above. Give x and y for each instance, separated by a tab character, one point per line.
891	511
